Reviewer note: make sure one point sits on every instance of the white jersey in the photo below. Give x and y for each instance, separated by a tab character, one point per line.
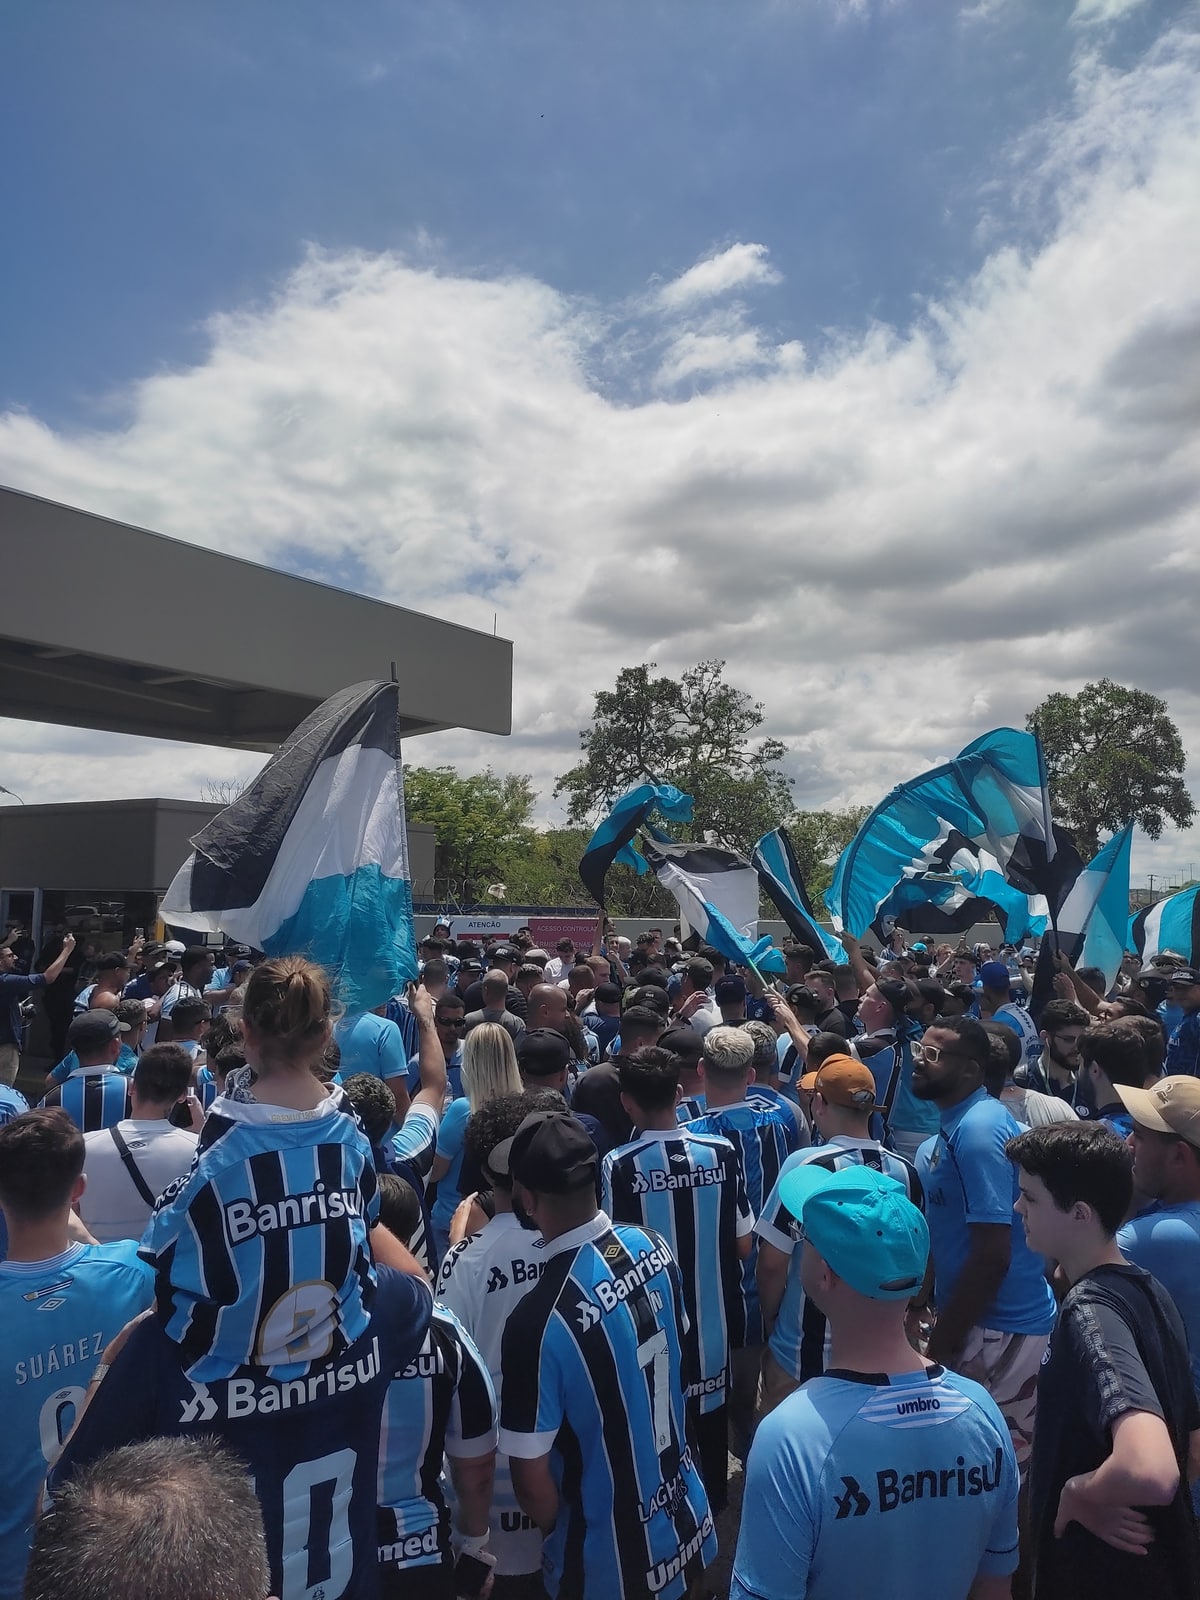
481	1281
1018	1021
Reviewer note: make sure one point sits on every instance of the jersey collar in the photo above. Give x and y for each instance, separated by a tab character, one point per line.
587	1233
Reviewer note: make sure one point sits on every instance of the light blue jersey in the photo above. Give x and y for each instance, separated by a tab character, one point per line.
907	1486
56	1317
93	1098
451	1143
1165	1240
371	1044
125	1063
968	1179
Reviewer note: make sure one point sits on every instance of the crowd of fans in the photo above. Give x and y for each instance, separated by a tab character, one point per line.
507	1287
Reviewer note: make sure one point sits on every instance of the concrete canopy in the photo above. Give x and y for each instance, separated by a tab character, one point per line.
107	626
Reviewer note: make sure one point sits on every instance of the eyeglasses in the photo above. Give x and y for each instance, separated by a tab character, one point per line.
932	1053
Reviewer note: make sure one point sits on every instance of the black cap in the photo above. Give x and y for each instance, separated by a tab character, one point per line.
504	952
239	952
469	964
728	990
684	1043
608	994
542	1052
551	1153
1184	975
801	995
92	1030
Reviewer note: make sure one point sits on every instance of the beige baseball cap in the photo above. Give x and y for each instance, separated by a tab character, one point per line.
1172	1106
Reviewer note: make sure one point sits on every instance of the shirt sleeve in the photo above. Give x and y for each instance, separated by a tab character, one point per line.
471	1426
606	1189
1183	1051
775	1546
417	1140
1115	1375
393	1055
775	1223
533	1403
452	1133
988	1176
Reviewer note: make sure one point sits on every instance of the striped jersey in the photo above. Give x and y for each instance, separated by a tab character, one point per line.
125	1063
798	1338
261	1247
763	1136
56	1316
688	1188
592	1378
481	1281
311	1444
440	1403
93	1098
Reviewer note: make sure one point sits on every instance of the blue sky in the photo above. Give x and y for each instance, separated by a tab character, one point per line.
861	319
174	160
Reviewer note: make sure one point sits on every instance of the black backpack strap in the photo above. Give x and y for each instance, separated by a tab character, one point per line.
132	1168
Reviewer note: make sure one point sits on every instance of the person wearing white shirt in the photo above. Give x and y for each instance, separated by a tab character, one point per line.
128	1166
559	966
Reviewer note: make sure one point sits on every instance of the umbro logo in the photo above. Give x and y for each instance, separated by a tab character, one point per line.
679	1157
854	1503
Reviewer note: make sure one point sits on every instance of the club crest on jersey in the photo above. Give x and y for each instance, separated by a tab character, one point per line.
246	1219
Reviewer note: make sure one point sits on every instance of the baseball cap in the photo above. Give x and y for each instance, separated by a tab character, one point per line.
1184	976
842	1081
504	952
863	1224
1172	1106
91	1029
994	975
551	1152
609	994
727	990
684	1043
801	995
921	947
174	947
541	1052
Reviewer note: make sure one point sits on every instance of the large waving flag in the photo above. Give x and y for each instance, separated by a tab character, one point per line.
781	879
1091	920
991	798
1172	924
312	859
739	948
702	876
613	839
969	890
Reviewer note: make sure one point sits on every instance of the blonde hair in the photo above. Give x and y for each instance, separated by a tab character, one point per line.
289	1006
489	1065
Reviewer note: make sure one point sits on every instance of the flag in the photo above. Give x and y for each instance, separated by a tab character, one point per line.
1172	924
312	859
781	880
703	876
739	948
613	839
968	889
991	797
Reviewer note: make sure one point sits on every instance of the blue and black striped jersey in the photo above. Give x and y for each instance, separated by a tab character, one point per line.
763	1136
261	1247
441	1403
688	1187
310	1443
592	1378
93	1098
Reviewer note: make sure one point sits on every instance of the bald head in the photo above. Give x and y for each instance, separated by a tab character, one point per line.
547	1006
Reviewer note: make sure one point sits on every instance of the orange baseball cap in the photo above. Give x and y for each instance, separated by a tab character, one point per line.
842	1081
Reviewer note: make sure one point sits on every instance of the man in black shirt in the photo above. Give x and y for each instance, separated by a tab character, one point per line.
1117	1418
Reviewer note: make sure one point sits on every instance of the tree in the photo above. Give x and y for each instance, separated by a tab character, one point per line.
223	791
697	732
818	838
1113	756
481	824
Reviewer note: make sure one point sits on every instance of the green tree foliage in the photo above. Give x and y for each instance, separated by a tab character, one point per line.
697	732
818	838
1113	756
481	823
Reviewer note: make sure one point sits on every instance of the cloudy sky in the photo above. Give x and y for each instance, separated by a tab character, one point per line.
854	341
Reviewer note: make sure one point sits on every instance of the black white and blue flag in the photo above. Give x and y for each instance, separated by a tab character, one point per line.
702	876
1172	924
781	880
613	839
991	797
312	859
966	888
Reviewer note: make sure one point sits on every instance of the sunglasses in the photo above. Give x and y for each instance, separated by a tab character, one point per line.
932	1053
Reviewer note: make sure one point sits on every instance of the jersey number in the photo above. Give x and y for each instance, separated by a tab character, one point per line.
56	1419
318	1557
655	1362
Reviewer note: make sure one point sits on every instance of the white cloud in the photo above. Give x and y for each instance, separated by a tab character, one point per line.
740	266
1093	13
896	542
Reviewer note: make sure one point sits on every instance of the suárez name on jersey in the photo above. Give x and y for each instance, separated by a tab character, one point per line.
248	1397
657	1182
612	1294
245	1218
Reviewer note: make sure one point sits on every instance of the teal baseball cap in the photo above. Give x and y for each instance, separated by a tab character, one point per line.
862	1224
